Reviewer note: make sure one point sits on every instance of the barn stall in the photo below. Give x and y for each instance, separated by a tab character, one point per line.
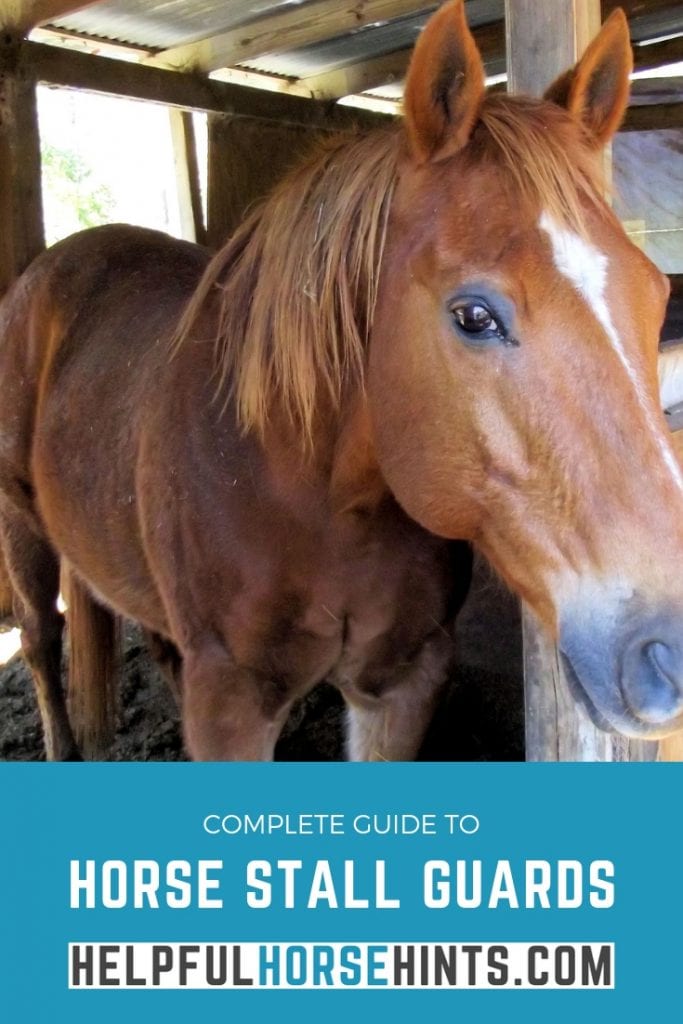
271	76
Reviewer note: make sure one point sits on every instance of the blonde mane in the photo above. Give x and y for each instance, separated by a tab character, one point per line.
546	154
296	285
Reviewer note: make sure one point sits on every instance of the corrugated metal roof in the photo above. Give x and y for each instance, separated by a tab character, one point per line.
157	24
161	24
366	42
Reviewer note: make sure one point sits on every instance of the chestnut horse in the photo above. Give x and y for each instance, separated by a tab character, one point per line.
436	332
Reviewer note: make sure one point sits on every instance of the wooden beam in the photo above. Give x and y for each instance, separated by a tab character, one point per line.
541	44
354	78
86	44
556	728
285	30
657	55
74	70
651	117
23	15
659	89
636	8
187	175
21	210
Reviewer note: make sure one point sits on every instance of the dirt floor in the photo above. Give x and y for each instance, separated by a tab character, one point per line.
480	718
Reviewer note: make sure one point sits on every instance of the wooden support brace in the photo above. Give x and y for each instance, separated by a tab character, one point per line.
187	176
21	210
542	42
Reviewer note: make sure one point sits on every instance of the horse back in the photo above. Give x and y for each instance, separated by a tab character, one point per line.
105	281
84	335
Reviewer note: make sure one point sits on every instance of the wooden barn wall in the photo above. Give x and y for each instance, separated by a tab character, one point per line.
246	160
648	189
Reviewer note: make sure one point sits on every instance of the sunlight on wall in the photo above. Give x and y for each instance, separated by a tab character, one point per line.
105	160
10	644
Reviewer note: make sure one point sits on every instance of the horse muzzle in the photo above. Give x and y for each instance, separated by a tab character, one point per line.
629	676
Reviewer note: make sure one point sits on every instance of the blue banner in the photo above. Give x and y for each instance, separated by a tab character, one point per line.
147	891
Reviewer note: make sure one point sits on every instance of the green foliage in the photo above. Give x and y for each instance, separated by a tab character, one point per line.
72	198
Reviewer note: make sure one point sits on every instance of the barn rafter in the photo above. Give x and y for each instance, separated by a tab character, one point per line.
318	49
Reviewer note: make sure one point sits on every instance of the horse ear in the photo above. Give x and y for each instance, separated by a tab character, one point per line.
596	90
445	86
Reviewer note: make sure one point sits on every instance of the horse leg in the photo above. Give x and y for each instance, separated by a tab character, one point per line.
6	598
389	723
168	659
33	569
229	712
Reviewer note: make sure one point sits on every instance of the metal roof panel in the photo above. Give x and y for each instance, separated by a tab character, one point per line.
157	24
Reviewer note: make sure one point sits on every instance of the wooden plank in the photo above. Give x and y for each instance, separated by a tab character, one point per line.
71	69
21	211
657	55
541	44
637	8
661	89
556	727
187	175
285	30
652	117
246	160
23	15
671	748
354	78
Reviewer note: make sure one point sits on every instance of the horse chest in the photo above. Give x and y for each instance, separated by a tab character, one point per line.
359	616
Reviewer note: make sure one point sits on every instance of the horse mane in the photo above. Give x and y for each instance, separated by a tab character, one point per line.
296	284
546	154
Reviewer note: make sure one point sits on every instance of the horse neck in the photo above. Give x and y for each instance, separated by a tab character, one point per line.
355	480
339	462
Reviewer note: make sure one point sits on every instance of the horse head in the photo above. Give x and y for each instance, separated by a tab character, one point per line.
512	366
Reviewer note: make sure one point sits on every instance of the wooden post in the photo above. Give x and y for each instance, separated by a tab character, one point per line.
543	40
246	159
187	175
21	209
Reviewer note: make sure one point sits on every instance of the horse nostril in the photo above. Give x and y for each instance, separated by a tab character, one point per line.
662	658
653	687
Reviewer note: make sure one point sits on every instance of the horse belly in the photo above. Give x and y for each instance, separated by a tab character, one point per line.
83	469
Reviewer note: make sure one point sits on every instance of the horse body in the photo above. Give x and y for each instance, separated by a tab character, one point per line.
210	538
440	331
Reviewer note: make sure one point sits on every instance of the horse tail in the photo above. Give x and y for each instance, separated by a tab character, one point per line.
94	637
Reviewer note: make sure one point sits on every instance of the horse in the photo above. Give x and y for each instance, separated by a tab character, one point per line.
432	335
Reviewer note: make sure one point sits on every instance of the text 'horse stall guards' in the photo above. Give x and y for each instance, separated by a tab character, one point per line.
435	333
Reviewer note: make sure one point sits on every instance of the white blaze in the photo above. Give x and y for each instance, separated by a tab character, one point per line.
586	268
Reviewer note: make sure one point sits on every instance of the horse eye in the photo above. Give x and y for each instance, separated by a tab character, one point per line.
474	318
477	325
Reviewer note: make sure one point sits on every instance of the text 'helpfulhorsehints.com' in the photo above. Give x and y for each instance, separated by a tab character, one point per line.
336	965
